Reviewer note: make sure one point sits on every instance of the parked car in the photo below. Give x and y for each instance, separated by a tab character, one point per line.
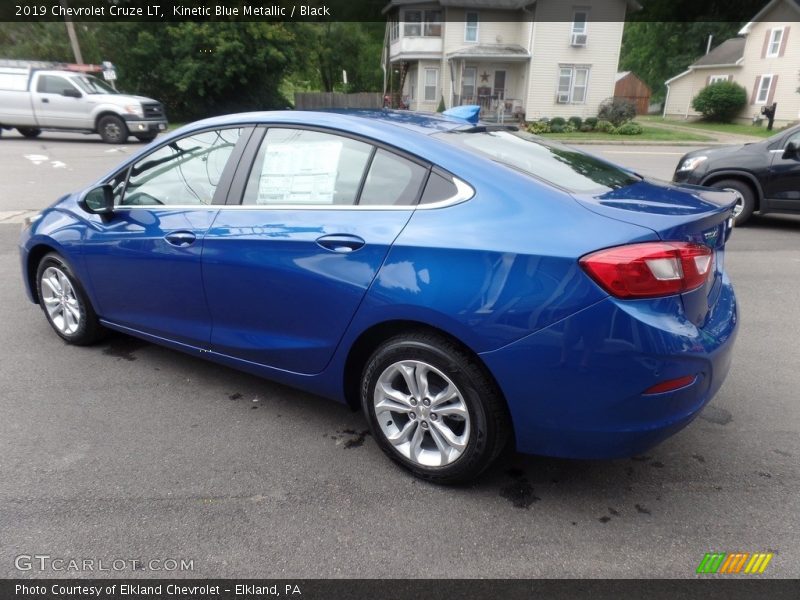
466	285
764	176
33	100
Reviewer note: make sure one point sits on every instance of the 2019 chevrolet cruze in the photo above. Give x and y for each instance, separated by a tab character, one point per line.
467	285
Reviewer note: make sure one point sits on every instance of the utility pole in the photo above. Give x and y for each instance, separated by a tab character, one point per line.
73	37
708	45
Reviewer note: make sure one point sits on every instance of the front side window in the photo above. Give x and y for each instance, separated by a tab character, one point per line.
559	165
302	167
763	89
431	84
471	27
184	172
52	84
775	39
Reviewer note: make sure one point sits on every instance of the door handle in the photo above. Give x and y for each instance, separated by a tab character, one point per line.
181	239
341	242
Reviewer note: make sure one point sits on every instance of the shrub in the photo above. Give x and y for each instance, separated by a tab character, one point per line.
630	128
558	121
556	128
720	101
605	127
585	128
538	127
576	122
616	110
591	122
569	128
441	108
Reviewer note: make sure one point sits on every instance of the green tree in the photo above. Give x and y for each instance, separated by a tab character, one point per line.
658	50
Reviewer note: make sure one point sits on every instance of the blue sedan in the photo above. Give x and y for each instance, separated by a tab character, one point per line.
469	286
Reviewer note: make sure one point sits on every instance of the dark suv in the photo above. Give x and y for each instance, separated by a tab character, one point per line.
765	176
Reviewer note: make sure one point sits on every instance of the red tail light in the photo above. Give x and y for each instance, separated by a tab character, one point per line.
650	269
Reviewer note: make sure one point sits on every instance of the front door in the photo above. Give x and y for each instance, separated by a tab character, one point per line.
499	91
468	83
286	270
144	262
54	109
782	190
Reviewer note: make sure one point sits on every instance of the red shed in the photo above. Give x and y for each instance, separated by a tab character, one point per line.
630	87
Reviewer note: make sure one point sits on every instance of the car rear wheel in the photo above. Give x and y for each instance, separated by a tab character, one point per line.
65	303
112	129
433	409
30	132
745	198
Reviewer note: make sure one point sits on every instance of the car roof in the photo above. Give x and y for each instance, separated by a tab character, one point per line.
424	123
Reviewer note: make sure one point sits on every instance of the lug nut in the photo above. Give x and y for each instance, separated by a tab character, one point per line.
412	416
413	402
426	402
424	424
434	417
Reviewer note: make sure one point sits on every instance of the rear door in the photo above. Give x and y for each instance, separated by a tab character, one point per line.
144	261
286	269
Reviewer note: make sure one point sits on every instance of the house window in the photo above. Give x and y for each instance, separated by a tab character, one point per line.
580	27
775	39
431	84
423	23
394	28
413	23
717	78
763	89
433	23
471	27
573	81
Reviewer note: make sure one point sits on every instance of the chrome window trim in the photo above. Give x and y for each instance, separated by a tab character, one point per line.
464	192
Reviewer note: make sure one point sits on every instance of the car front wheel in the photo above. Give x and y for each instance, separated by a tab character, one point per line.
745	198
64	302
112	129
433	408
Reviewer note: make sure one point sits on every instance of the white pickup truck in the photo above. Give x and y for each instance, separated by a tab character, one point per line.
32	100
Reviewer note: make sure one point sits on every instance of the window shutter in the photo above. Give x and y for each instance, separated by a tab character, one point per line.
783	40
772	87
766	43
708	80
755	90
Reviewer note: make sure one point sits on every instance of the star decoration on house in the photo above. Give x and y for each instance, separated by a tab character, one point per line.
484	77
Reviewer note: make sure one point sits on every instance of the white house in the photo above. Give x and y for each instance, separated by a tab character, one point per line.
764	58
538	58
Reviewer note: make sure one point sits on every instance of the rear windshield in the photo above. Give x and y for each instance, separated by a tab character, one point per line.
564	167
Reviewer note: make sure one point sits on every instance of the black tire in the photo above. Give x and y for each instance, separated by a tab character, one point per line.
88	328
747	194
112	129
30	132
146	138
488	425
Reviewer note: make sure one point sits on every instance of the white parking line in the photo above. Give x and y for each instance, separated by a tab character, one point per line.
15	216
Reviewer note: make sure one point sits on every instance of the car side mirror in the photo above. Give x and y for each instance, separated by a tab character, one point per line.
71	93
100	200
790	151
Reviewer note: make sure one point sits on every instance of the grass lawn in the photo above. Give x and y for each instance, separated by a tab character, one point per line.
650	134
734	128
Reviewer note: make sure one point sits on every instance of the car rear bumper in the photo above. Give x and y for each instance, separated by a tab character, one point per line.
576	389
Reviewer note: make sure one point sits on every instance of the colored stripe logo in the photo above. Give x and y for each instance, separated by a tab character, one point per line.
734	562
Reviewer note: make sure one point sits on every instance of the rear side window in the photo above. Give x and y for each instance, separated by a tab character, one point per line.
438	189
297	166
559	165
392	181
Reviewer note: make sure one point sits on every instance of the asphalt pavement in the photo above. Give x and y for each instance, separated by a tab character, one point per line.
131	451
